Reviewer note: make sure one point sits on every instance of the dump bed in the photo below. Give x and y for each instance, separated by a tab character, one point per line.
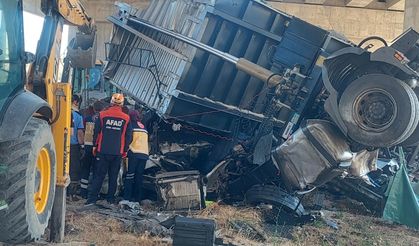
184	84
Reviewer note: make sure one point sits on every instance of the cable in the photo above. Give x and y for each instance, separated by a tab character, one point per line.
271	76
373	38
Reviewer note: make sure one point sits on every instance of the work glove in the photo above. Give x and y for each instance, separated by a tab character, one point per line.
124	155
94	151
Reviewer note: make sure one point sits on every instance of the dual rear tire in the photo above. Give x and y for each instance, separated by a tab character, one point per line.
380	111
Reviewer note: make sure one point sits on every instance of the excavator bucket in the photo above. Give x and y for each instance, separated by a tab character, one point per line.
82	50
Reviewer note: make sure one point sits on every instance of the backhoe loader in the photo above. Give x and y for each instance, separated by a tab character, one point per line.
35	117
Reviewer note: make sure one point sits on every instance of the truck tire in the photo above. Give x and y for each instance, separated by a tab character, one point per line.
413	140
379	110
27	183
273	195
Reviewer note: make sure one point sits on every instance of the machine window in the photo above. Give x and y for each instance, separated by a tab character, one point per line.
11	46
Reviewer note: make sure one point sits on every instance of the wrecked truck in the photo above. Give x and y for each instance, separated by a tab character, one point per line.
227	82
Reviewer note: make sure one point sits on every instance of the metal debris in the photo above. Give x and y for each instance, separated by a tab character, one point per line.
180	190
194	232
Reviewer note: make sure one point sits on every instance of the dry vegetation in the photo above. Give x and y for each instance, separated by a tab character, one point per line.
225	215
355	228
95	229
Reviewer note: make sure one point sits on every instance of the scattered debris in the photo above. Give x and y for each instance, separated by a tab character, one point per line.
207	144
247	230
270	194
180	190
133	206
147	226
194	232
325	217
103	227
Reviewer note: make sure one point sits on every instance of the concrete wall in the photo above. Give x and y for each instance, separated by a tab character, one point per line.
354	23
411	18
100	10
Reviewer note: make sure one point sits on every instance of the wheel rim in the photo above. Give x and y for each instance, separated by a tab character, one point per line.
375	110
42	180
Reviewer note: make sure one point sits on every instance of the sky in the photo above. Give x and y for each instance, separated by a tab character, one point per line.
33	28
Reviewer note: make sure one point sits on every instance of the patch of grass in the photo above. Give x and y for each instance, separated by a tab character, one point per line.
339	215
95	229
319	224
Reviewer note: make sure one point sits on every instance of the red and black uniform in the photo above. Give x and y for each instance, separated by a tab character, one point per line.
112	131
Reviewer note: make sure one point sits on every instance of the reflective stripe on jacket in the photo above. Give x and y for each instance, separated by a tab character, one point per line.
139	144
89	129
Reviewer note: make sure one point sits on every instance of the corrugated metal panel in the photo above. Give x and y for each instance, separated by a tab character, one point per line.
140	82
203	89
182	16
171	56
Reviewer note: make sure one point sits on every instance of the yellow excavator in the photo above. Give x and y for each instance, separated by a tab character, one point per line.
35	117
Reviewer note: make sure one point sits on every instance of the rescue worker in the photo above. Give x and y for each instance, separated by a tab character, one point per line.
88	160
125	109
112	132
137	158
76	145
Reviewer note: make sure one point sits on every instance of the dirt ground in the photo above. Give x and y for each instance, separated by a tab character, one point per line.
354	227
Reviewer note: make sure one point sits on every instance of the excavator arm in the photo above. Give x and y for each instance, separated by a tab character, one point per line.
75	14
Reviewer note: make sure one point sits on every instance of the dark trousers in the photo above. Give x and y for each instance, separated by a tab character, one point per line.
109	164
75	169
86	168
134	178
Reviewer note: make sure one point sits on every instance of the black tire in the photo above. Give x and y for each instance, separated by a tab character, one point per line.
20	222
415	123
273	195
394	121
413	140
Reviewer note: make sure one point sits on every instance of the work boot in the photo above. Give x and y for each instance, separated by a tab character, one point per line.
102	203
89	203
75	198
83	193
